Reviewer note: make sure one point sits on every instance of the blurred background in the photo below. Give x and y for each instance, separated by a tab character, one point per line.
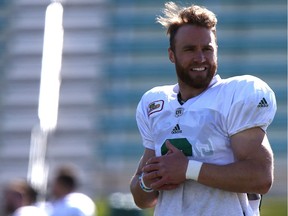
113	52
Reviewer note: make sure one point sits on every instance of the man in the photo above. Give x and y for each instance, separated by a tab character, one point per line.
20	199
206	150
66	201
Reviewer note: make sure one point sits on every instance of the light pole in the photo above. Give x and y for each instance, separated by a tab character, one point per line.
48	97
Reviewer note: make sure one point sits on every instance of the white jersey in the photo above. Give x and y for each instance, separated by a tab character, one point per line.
29	211
73	204
202	128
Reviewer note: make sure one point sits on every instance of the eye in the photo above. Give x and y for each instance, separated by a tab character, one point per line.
189	49
208	48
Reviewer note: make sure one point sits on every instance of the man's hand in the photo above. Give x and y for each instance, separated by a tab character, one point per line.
168	171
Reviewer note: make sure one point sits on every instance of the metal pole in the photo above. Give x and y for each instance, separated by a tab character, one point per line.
48	97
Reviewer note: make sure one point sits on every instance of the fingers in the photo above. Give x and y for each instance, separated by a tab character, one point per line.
162	184
171	147
150	168
153	175
153	160
154	179
151	165
157	183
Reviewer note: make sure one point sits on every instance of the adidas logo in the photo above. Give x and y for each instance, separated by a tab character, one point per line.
176	129
263	103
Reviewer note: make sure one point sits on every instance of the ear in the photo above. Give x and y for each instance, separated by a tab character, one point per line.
171	55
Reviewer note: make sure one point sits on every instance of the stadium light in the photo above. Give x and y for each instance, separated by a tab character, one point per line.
48	97
51	67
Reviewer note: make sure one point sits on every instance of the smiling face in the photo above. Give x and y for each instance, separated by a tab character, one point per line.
195	58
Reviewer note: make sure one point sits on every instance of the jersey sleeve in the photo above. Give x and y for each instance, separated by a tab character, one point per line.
254	105
143	125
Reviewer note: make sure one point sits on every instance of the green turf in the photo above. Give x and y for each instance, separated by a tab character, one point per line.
274	207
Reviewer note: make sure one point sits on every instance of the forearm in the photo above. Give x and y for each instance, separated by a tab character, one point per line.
141	198
243	176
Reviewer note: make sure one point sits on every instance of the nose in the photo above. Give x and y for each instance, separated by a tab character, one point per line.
199	57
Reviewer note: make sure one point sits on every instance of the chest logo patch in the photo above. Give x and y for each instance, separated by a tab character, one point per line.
155	106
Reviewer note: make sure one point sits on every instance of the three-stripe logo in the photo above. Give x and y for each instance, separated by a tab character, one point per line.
176	129
263	103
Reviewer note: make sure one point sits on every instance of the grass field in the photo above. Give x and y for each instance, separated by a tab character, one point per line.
274	207
270	207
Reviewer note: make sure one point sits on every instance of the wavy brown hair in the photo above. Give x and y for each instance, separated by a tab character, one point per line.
175	16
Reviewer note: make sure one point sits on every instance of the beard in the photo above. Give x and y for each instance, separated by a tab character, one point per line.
196	82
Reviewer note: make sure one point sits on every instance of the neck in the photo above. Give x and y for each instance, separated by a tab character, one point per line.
185	95
187	92
180	100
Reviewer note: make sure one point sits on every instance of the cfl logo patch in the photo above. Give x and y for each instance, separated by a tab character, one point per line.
179	112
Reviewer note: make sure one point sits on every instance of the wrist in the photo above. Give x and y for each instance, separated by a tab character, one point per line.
193	169
143	186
